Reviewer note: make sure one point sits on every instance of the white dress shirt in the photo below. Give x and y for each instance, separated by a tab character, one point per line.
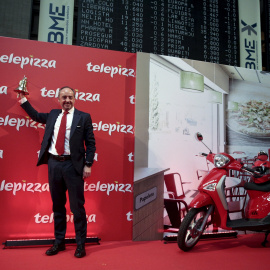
70	114
52	149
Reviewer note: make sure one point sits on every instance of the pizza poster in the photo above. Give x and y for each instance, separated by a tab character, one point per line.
104	83
248	118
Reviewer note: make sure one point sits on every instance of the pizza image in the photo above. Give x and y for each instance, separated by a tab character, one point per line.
250	118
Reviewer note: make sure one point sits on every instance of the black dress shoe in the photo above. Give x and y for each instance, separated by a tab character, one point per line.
80	251
55	249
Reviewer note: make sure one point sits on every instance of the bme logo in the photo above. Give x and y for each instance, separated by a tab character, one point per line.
56	14
250	45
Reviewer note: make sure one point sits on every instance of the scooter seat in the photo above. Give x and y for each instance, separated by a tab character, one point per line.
265	187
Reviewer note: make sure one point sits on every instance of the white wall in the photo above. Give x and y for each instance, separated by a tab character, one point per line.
174	118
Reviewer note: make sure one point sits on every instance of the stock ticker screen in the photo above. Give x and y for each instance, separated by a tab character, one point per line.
204	30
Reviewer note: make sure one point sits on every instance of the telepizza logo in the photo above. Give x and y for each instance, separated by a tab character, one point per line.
108	187
69	218
132	99
31	60
110	128
128	72
23	186
3	90
130	157
129	216
20	122
78	95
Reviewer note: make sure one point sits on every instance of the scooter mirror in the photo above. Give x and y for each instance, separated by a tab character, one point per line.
199	136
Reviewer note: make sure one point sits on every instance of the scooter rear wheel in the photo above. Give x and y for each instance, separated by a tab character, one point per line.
190	229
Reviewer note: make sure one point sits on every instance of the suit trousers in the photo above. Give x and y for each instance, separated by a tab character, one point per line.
62	178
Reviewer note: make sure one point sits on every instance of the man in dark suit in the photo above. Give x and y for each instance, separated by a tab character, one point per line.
67	166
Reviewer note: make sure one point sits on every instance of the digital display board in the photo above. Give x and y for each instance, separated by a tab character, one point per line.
266	30
205	30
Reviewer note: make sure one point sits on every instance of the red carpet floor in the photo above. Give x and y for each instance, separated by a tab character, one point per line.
243	252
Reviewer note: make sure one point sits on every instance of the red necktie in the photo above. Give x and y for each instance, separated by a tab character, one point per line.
60	142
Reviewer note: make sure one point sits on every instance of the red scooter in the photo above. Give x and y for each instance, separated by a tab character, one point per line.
210	206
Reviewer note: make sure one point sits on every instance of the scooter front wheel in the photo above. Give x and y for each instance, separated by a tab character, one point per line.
191	229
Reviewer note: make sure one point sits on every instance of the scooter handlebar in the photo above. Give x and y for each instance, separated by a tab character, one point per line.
250	170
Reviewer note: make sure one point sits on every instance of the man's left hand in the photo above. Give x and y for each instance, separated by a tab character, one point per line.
86	171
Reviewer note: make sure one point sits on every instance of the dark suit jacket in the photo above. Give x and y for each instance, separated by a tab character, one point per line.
82	140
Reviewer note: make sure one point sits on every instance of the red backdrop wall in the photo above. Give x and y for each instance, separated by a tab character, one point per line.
105	87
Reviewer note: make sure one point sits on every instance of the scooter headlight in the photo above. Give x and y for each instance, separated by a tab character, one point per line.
221	161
